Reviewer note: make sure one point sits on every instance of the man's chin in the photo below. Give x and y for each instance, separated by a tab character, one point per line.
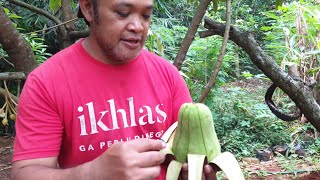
125	59
129	55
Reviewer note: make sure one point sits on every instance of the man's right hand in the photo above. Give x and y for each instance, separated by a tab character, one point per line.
136	159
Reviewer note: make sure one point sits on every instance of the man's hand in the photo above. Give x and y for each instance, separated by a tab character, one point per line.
136	159
208	172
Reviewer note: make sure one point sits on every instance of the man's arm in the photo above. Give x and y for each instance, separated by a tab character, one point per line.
46	168
136	159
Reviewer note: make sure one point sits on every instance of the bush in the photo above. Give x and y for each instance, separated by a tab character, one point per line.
243	121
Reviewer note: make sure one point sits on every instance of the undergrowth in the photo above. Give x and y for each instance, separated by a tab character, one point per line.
245	124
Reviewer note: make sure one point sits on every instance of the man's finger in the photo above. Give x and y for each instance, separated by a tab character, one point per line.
184	172
149	173
144	145
209	173
151	158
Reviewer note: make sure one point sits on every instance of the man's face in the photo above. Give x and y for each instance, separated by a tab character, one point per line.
121	30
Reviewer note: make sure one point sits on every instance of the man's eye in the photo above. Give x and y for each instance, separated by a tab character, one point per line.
122	14
146	16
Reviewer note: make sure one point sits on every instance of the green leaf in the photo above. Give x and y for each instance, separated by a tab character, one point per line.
279	3
286	31
6	10
292	41
266	28
272	16
14	16
54	5
160	45
313	52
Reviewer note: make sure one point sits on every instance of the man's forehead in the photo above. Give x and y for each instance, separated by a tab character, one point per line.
131	3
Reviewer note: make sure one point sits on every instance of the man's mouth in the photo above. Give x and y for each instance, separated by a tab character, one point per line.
132	43
132	39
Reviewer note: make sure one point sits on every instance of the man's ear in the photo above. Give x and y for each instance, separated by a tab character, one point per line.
86	8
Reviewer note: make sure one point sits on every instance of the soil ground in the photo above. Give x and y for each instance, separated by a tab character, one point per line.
6	149
274	170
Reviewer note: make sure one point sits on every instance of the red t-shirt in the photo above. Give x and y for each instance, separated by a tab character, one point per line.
74	107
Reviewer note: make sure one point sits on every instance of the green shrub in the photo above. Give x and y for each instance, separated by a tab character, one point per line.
243	121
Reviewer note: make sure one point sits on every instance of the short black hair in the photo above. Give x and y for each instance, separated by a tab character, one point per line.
95	11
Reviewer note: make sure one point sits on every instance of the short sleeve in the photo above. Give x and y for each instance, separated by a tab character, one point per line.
38	126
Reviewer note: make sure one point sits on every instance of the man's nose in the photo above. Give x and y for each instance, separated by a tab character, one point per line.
136	24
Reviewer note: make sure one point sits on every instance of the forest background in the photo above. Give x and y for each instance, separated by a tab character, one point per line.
229	72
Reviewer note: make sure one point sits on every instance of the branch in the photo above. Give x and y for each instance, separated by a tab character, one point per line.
35	9
2	58
5	168
299	93
52	27
197	18
221	55
78	34
13	76
207	33
3	93
42	12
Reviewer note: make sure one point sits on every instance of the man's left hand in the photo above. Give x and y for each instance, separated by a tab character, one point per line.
208	173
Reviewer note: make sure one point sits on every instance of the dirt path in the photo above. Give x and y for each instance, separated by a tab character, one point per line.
6	144
276	169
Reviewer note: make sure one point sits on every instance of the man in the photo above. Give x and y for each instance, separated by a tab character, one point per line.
97	108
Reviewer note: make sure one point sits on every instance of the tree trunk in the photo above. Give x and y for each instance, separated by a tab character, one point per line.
237	63
19	51
197	18
66	15
298	91
221	55
62	31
